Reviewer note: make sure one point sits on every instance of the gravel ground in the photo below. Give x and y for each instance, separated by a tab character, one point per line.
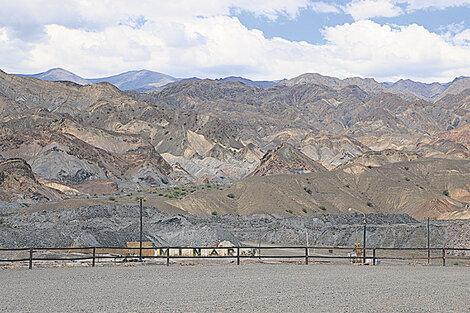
246	288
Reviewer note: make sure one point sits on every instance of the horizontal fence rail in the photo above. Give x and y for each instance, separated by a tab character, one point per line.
367	255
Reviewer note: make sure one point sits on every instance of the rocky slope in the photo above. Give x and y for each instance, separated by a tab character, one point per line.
285	159
331	150
102	133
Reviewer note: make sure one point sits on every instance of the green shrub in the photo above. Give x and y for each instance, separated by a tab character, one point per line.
111	199
445	192
304	210
407	168
2	220
231	195
289	211
369	166
214	212
407	179
322	207
160	194
347	185
308	190
369	204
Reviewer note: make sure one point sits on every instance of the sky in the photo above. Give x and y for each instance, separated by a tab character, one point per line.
424	40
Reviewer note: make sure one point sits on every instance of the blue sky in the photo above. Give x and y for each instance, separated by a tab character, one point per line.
425	40
308	24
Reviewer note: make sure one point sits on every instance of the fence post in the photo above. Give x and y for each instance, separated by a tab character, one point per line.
30	258
373	256
168	256
443	257
238	255
306	255
429	243
94	257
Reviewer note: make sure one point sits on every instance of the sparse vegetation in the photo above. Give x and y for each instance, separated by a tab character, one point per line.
456	263
407	179
304	210
446	193
347	186
231	195
111	198
407	168
2	220
308	190
289	211
369	204
322	207
214	212
369	166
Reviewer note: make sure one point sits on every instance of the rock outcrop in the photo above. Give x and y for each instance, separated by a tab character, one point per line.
19	184
286	159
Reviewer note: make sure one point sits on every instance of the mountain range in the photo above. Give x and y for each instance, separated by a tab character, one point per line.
310	145
145	80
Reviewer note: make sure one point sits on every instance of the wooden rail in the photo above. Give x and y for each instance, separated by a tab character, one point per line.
92	253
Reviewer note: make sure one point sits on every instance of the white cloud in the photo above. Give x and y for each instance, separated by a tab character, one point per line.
322	7
463	38
397	51
217	45
96	15
364	9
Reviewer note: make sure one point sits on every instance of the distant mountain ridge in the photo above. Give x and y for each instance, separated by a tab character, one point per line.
147	81
131	80
58	74
140	80
249	82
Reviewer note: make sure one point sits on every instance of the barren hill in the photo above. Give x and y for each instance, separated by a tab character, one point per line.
405	187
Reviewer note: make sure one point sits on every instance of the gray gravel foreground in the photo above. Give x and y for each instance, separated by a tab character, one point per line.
245	288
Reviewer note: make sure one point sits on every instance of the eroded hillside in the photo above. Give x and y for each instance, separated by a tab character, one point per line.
340	143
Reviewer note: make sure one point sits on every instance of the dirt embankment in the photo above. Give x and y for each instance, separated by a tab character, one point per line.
116	225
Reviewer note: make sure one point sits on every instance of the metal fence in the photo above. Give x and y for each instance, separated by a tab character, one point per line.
302	254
